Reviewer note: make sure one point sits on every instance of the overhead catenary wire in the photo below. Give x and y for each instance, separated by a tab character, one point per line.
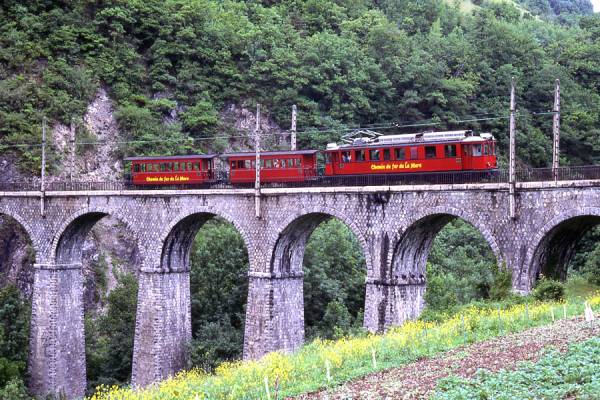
306	131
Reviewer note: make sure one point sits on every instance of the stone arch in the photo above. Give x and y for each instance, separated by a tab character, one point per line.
296	229
416	238
280	286
179	235
26	227
555	242
68	242
404	283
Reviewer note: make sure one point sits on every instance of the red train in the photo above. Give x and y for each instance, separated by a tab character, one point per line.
382	155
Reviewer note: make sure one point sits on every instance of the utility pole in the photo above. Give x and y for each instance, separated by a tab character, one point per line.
556	131
293	138
511	153
43	172
72	143
257	151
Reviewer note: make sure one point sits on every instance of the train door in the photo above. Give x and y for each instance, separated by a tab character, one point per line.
467	159
332	159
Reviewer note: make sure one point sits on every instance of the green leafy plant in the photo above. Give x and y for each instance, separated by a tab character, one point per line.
549	289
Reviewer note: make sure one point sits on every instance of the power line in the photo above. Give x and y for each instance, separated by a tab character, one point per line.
308	131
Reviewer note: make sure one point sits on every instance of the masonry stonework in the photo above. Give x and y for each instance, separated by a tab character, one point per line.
395	227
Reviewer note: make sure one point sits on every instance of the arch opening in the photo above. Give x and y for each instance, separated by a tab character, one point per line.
325	263
214	252
568	246
105	252
442	261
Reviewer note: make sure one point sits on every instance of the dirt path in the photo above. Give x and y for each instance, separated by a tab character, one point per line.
417	380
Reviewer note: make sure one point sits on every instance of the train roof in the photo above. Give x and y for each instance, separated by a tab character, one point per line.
272	153
171	158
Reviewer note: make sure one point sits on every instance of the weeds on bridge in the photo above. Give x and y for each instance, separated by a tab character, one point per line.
347	358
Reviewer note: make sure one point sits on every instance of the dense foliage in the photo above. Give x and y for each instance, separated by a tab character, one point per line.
555	376
14	343
172	66
109	336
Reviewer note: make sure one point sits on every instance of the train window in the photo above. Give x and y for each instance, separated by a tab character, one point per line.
414	153
298	162
176	166
328	158
466	150
136	167
450	150
386	154
182	166
430	152
400	153
374	155
247	164
268	163
476	150
232	164
143	167
163	167
486	150
359	155
169	167
493	148
346	156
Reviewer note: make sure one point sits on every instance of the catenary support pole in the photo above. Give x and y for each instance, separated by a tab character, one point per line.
43	171
556	131
72	167
511	153
293	138
257	151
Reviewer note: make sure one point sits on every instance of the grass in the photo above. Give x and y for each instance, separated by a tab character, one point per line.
348	358
467	6
579	288
555	376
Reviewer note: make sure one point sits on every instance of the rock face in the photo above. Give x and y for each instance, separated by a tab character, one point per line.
106	249
16	256
96	160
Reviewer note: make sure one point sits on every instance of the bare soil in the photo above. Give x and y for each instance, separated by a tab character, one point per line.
417	380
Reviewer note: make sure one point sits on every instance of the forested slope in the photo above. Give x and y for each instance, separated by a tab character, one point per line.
172	66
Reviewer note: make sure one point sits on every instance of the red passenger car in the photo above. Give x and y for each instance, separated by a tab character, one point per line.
276	166
421	152
175	170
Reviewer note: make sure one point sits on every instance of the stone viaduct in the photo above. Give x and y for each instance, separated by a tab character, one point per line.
395	226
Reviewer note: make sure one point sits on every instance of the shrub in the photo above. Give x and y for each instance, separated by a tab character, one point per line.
502	284
548	289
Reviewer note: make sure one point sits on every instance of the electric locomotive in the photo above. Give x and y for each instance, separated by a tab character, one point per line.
419	152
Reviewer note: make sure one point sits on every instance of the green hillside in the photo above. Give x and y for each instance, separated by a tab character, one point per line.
344	63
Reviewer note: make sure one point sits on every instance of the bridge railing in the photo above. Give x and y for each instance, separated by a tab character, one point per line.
319	180
561	174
